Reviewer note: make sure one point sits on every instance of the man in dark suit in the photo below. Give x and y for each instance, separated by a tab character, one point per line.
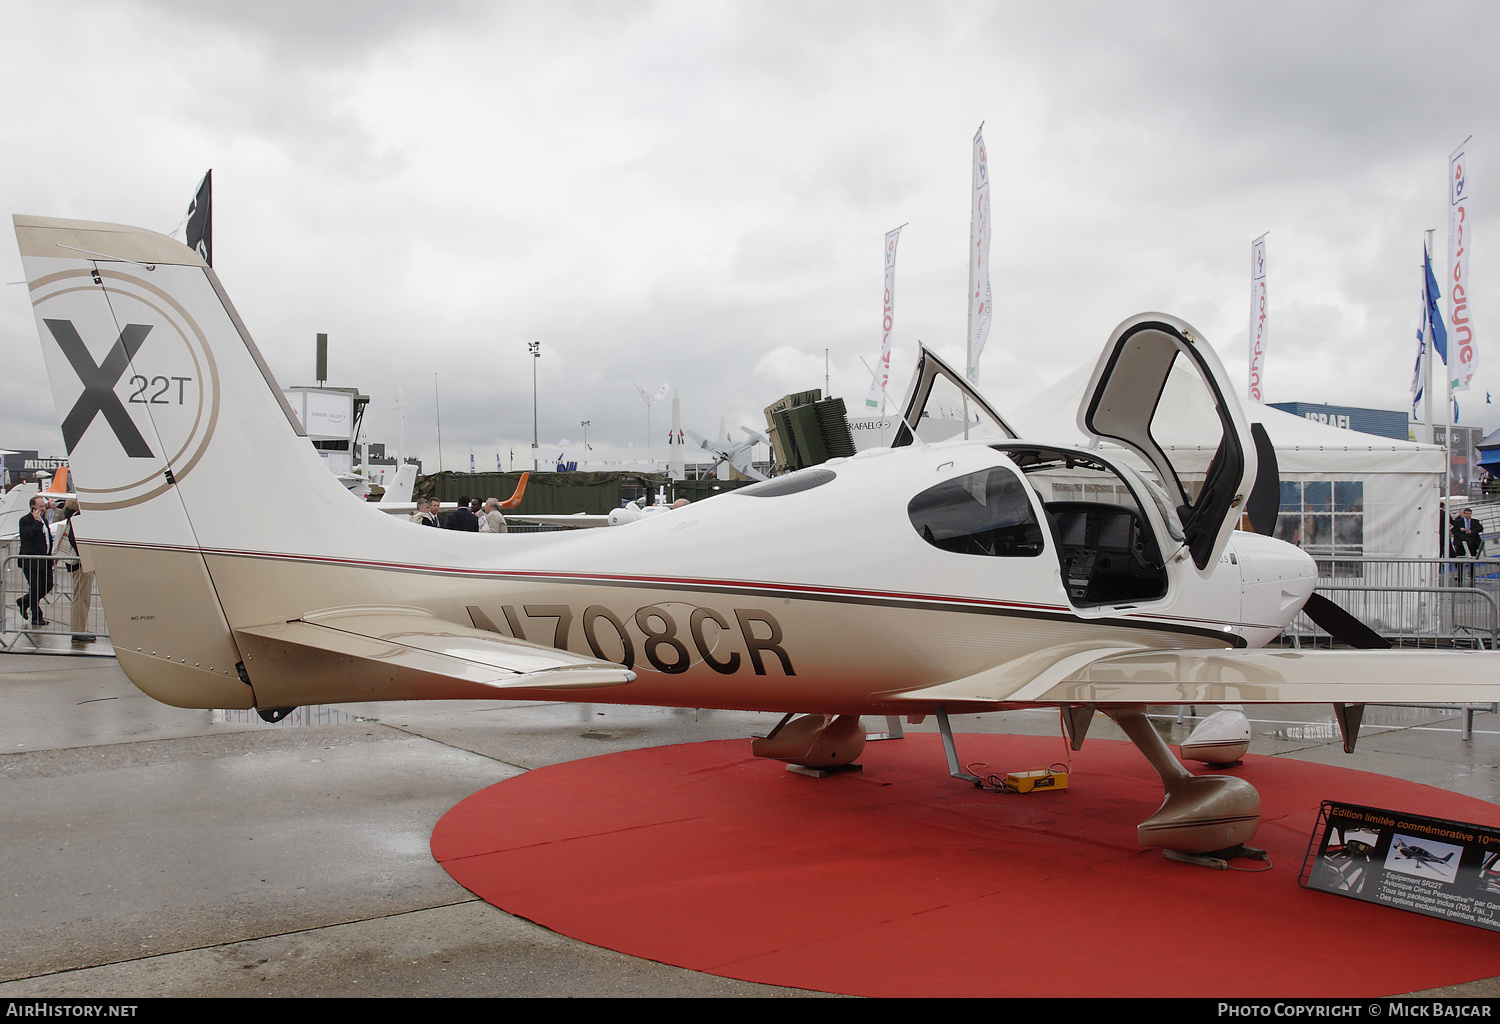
36	539
424	515
1467	534
461	518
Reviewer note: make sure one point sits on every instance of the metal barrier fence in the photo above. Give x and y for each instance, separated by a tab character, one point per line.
1413	602
57	605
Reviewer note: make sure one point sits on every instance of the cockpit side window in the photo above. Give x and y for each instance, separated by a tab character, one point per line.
984	513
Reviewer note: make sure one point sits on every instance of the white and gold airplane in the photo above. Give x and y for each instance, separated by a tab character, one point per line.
982	573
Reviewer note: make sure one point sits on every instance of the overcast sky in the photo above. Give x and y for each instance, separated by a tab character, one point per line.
697	193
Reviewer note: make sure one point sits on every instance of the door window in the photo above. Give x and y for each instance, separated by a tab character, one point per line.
984	513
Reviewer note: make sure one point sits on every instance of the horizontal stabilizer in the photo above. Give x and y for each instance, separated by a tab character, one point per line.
412	641
1237	676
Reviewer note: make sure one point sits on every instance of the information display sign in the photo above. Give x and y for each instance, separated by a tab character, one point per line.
1429	866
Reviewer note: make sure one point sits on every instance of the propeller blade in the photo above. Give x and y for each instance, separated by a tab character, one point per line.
1342	626
1265	496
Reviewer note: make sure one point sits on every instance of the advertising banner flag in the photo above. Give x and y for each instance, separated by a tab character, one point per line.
200	220
1419	372
979	258
882	377
1435	329
1460	237
1259	327
649	398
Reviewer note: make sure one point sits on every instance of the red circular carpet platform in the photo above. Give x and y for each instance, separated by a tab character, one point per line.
900	881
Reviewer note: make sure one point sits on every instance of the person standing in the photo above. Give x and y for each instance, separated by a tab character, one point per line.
494	517
36	539
83	582
461	518
423	515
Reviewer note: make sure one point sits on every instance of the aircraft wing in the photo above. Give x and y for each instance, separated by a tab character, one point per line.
577	520
1116	676
409	641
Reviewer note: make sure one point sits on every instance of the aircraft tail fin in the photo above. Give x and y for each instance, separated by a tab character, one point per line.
171	419
515	499
399	491
167	407
15	503
168	415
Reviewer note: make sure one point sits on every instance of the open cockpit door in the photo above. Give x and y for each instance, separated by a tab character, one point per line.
1160	391
941	406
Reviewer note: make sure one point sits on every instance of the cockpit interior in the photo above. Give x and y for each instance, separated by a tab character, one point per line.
1105	544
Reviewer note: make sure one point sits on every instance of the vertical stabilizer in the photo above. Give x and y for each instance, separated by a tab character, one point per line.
164	406
399	490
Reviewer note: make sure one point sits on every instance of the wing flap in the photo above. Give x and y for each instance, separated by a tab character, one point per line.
414	641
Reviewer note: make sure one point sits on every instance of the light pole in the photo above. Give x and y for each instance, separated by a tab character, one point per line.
585	425
535	348
438	408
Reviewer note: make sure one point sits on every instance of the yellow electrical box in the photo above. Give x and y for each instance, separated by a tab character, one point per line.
1035	781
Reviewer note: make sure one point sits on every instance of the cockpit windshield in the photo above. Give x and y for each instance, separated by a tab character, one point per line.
941	406
951	414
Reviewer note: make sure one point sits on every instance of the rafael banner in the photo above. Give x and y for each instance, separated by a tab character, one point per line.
979	258
1259	327
1461	366
882	378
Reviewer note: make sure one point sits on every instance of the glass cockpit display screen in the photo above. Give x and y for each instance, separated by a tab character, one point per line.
1114	531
